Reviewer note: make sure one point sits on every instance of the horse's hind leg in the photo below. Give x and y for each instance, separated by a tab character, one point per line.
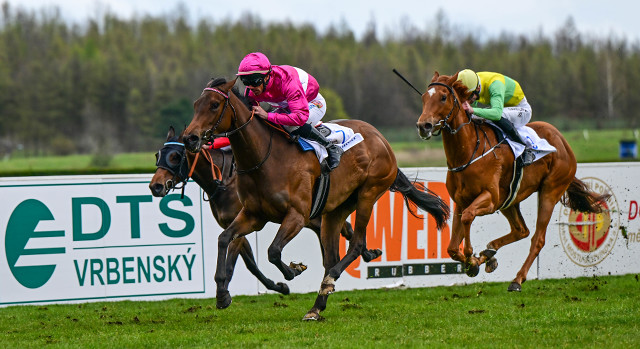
243	247
330	240
347	233
546	204
357	244
518	231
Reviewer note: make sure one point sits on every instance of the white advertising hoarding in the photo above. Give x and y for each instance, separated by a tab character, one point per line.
607	243
84	238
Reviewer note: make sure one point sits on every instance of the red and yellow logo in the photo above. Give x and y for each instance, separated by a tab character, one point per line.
588	238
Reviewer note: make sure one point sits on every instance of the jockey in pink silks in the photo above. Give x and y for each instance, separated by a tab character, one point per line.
298	106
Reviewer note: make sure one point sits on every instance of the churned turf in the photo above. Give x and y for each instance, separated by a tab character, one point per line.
592	312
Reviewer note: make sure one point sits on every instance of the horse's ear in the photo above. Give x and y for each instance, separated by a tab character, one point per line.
453	79
435	76
459	87
171	133
228	85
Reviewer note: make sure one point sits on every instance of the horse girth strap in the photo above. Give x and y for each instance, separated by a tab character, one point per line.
514	186
320	194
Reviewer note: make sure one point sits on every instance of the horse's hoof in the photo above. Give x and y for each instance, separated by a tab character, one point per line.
223	300
488	253
282	288
312	316
514	287
472	270
370	255
297	267
492	265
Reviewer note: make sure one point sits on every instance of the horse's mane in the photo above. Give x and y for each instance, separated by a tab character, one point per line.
215	82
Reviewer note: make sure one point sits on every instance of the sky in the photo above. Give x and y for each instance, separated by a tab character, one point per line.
488	18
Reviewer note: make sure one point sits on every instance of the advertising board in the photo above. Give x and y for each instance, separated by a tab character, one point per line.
88	238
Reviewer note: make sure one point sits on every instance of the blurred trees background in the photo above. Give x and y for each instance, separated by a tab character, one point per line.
120	83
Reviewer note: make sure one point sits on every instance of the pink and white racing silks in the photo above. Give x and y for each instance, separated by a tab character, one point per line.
289	90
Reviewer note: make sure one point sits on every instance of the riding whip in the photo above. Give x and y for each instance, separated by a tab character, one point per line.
407	81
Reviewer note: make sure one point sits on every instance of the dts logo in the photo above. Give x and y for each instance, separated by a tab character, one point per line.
22	227
32	257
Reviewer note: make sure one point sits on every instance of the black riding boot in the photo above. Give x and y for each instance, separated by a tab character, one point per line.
527	156
333	150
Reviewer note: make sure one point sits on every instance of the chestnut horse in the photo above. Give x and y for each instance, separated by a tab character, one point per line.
276	180
479	184
207	171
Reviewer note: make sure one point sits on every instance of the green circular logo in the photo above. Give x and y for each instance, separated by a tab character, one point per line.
20	229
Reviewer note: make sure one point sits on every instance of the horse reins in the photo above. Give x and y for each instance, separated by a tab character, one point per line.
209	134
215	170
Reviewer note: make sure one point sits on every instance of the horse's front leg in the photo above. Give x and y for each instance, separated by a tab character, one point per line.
242	225
482	205
457	234
241	246
291	225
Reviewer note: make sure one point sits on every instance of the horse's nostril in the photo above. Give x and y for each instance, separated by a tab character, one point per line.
157	189
191	141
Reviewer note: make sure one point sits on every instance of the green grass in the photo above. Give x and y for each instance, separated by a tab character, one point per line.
586	312
592	146
77	164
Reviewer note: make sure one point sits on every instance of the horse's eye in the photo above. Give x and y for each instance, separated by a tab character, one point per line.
215	105
443	98
174	158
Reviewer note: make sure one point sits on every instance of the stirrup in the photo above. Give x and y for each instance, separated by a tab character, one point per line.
528	157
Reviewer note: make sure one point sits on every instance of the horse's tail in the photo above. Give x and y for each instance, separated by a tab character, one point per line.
417	195
578	197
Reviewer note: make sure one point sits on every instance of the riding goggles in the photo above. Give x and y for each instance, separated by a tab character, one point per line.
253	80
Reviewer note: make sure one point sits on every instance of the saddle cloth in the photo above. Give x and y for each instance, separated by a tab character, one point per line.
343	136
540	146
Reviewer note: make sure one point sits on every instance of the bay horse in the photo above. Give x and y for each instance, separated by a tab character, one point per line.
276	180
479	184
214	173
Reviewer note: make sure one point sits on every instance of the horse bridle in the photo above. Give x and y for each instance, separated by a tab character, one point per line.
209	135
179	170
445	124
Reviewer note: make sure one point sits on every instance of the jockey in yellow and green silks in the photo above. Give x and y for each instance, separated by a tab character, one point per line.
507	105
